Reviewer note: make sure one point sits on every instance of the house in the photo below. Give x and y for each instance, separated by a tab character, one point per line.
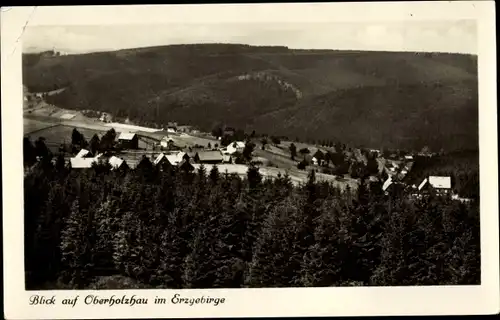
185	165
387	184
162	161
226	158
166	142
171	130
458	198
211	157
188	155
407	157
82	153
236	146
391	186
105	117
82	163
408	166
318	158
175	159
172	159
117	163
441	185
129	140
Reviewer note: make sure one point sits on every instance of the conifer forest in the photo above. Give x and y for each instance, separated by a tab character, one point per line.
152	227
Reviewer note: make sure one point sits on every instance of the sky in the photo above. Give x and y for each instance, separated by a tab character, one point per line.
457	36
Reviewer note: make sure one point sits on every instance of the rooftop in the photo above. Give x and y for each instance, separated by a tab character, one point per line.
210	156
80	163
115	162
440	182
82	153
126	136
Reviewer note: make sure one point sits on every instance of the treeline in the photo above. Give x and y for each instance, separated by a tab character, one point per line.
175	228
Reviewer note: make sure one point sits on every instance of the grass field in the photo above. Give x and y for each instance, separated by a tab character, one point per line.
55	135
296	176
31	125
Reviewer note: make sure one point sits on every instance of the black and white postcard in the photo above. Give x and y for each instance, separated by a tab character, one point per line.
322	159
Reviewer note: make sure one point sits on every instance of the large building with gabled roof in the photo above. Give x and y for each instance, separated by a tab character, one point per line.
128	140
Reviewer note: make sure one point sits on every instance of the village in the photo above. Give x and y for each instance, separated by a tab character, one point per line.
131	144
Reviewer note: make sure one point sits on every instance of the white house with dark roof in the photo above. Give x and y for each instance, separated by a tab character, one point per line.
236	146
82	163
82	153
164	141
162	160
117	163
442	184
387	184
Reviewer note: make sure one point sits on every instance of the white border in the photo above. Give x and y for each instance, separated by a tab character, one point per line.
481	299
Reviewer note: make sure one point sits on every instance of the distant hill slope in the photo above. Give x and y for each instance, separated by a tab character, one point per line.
374	99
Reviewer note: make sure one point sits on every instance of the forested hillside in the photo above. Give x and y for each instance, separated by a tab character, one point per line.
371	99
206	229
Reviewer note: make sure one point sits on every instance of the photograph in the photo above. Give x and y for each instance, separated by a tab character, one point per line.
240	156
183	156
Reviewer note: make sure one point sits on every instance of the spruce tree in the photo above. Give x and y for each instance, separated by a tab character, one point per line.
76	246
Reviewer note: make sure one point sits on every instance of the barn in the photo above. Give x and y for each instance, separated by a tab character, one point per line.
129	140
210	157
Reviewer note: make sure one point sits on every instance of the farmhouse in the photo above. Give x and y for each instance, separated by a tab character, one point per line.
185	165
458	198
236	146
442	185
164	142
391	186
186	155
117	163
211	157
387	184
167	143
105	117
82	163
226	158
82	153
162	161
129	140
318	158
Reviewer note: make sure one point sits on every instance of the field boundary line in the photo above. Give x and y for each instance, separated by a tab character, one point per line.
38	130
